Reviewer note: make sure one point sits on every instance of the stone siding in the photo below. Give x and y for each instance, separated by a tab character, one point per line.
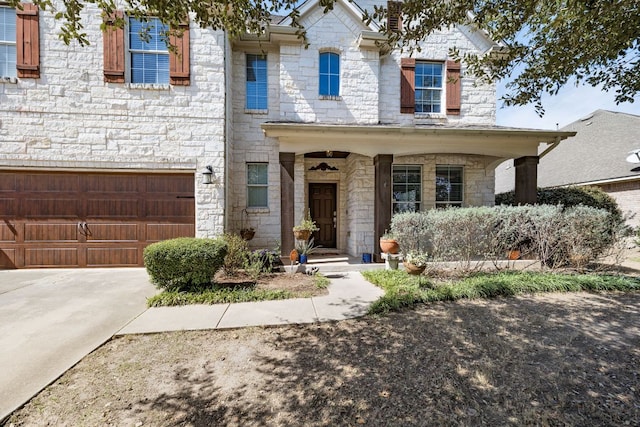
70	118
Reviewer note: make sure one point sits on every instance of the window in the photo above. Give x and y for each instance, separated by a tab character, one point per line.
428	87
421	87
407	188
7	42
149	52
329	74
449	184
256	82
257	185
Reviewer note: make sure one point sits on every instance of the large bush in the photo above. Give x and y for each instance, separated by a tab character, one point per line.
184	263
569	196
554	235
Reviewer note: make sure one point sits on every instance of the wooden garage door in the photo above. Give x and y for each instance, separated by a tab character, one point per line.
90	219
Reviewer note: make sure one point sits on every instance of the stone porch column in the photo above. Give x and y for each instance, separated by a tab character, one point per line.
287	161
382	199
526	180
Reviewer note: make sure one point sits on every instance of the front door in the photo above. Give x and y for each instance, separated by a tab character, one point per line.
322	204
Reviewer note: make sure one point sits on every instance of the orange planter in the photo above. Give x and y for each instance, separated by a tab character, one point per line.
389	246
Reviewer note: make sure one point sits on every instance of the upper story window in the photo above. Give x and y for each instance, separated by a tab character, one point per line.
407	188
7	42
256	82
329	74
257	185
149	52
449	186
428	87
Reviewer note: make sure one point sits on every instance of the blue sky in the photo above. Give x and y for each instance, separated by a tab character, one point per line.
571	104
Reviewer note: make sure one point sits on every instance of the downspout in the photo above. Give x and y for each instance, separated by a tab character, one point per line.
226	133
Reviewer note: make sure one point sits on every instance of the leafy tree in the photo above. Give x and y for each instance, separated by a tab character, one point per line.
543	43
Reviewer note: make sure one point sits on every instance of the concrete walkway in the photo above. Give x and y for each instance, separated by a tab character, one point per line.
51	318
350	295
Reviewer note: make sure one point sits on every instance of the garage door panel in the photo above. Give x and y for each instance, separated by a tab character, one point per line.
100	257
157	232
102	183
112	208
170	184
51	183
112	232
8	182
177	208
9	206
7	258
51	232
8	232
51	257
37	207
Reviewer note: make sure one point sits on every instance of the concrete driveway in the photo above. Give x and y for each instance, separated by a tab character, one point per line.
52	318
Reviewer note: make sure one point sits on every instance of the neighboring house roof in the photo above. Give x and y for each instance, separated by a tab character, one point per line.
596	154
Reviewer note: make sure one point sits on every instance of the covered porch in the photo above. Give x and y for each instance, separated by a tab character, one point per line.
362	170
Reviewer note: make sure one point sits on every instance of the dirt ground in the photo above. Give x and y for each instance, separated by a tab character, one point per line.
554	359
298	284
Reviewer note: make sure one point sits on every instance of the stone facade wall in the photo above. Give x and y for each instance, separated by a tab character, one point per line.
70	118
361	198
478	177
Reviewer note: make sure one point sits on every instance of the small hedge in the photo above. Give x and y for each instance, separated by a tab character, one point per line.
184	263
569	196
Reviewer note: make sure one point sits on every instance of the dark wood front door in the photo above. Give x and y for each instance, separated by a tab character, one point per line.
70	219
322	204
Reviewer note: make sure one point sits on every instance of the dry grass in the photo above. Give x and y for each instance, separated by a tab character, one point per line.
553	359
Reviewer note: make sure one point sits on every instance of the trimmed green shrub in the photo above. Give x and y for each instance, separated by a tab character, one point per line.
184	263
570	196
558	237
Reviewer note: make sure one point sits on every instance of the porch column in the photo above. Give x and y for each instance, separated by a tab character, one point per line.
287	161
382	199
526	180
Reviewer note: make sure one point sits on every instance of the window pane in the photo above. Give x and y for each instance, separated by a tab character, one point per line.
407	188
256	84
329	74
7	24
257	173
257	197
449	184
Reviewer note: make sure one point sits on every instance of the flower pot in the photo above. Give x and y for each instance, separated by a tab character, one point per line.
302	234
247	234
414	269
303	259
513	255
389	246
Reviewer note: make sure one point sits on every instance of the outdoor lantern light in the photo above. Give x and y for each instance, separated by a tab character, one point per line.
207	174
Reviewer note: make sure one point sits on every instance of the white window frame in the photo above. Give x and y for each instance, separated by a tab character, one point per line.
131	51
449	202
265	185
440	89
418	203
10	43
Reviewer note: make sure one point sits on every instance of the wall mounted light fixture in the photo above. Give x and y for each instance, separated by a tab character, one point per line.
207	175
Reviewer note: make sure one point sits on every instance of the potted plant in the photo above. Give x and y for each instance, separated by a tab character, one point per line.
307	226
247	233
304	249
415	262
388	244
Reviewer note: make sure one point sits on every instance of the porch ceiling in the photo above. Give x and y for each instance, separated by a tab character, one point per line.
372	140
